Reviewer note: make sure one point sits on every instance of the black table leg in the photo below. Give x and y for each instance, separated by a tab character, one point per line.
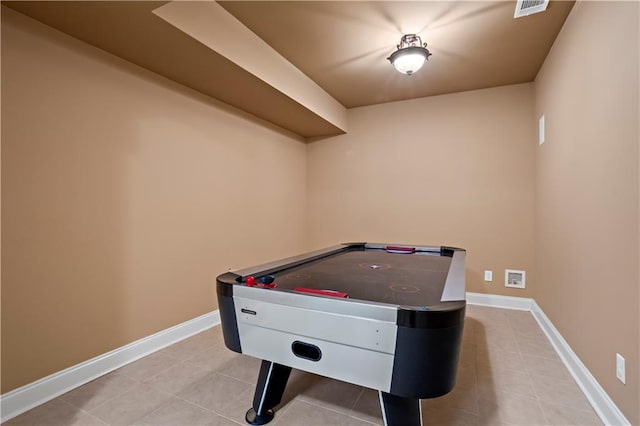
271	383
399	411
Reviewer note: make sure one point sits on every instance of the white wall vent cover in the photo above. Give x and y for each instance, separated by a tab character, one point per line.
527	7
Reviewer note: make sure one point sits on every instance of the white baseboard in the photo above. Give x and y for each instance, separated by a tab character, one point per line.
497	301
29	396
609	413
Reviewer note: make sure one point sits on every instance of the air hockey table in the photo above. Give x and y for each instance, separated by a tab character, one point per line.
384	316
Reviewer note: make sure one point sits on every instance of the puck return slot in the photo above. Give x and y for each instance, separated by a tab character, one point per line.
306	351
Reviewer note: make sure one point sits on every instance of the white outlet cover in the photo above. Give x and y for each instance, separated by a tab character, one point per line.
541	130
488	275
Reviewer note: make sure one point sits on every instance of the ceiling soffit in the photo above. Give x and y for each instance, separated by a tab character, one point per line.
130	30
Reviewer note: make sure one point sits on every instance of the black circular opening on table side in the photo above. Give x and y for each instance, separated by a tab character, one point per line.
306	351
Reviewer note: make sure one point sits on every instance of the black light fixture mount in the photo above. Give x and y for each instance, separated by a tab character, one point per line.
411	54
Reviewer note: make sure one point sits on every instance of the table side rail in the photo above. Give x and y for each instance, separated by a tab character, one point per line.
351	307
418	248
454	285
349	330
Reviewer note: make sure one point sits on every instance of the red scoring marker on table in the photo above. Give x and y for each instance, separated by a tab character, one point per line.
331	293
262	282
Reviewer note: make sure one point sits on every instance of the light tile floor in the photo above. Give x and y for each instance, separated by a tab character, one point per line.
508	375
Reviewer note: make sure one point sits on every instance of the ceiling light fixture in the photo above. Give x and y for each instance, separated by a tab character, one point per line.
411	54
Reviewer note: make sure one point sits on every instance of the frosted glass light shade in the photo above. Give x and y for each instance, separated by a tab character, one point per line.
409	63
408	60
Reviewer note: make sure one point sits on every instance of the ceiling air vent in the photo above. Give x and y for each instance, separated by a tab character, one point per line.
527	7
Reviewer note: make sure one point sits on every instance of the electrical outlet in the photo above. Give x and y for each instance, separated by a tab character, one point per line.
620	368
488	275
541	130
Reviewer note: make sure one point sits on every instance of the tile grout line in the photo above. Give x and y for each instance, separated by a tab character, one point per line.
206	409
354	406
324	407
163	371
133	422
535	392
234	378
128	390
108	399
285	410
357	399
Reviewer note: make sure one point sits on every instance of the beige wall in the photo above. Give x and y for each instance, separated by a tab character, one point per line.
452	170
124	195
587	192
